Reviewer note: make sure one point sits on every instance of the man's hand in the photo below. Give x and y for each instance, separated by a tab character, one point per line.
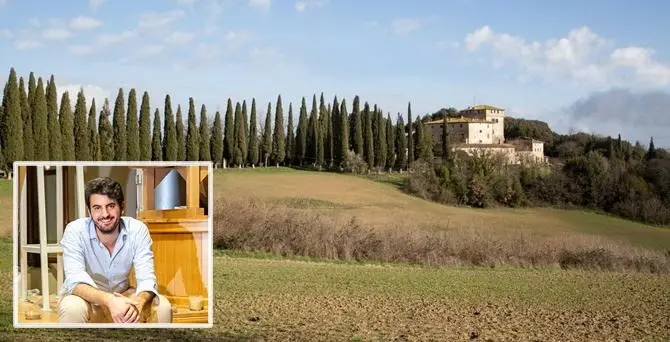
122	309
143	300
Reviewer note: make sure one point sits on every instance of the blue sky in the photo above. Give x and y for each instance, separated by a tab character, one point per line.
534	58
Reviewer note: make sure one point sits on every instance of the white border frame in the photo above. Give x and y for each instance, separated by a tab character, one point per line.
15	245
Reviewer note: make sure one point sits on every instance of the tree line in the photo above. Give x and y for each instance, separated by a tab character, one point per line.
325	135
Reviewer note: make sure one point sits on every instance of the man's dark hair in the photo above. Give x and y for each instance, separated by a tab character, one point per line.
104	186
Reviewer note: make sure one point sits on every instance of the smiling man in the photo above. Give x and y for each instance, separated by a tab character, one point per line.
98	254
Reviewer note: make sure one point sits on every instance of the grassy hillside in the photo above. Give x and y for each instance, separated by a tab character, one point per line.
381	204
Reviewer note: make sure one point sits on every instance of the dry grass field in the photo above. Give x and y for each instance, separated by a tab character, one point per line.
262	296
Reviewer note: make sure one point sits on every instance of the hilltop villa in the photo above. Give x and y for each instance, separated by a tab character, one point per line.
482	128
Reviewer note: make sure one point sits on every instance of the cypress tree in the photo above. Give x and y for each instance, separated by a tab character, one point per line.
301	135
240	136
12	125
418	138
313	133
329	139
651	152
169	132
81	142
245	124
368	141
290	138
216	140
427	154
267	136
119	127
446	146
401	144
335	131
93	133
180	132
106	133
55	146
156	139
357	142
132	126
228	133
192	137
203	136
344	132
279	139
321	131
40	126
145	127
66	118
28	148
32	90
390	143
253	136
380	153
410	136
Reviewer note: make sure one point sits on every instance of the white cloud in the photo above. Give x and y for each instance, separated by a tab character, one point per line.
84	23
5	33
304	5
237	38
179	38
113	39
81	50
95	4
261	5
90	92
27	44
582	57
405	26
56	34
155	20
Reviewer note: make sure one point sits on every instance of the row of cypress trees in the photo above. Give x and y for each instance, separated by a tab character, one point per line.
34	127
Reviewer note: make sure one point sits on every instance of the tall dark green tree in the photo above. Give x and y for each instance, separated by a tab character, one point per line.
380	153
26	114
330	139
418	137
357	142
278	138
426	143
229	134
290	137
92	129
40	127
119	127
216	140
132	128
390	143
106	133
240	137
192	137
12	125
253	136
335	125
55	146
180	132
410	136
170	148
66	118
320	133
253	154
344	133
81	141
368	141
245	123
203	136
267	136
301	134
145	127
156	139
312	131
651	152
401	144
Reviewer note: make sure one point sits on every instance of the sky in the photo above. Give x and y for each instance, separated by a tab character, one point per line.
599	66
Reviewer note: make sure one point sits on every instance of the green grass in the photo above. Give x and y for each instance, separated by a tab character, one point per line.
376	200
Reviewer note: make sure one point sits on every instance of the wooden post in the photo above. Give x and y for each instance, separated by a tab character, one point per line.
81	200
59	225
23	175
44	260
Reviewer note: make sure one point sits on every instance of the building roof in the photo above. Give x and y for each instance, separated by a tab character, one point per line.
483	107
484	145
533	141
458	120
